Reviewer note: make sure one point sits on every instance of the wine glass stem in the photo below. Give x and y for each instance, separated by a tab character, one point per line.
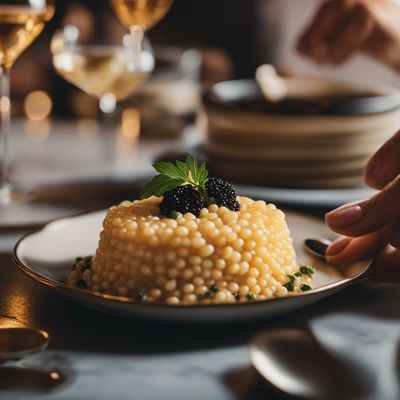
137	36
107	107
5	112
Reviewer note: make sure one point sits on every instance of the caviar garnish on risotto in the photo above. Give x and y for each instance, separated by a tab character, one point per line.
212	256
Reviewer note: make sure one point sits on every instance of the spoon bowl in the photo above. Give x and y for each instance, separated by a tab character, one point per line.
317	247
17	343
293	362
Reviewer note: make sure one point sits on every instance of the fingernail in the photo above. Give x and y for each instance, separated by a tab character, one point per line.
372	169
344	216
337	246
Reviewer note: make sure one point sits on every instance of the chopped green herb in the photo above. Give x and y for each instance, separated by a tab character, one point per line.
305	270
141	296
174	214
305	288
297	274
251	296
289	286
87	264
291	278
214	288
82	263
81	284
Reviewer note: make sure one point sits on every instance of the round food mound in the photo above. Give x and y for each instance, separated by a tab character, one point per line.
222	256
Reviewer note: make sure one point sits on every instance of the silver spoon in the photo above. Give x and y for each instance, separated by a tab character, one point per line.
17	343
293	362
317	247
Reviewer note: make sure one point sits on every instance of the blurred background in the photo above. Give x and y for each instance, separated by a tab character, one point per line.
232	39
61	135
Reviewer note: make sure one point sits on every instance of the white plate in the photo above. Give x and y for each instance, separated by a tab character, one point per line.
324	198
48	254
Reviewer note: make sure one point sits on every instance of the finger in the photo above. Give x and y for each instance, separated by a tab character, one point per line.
386	267
384	166
368	216
338	246
395	235
351	37
313	41
389	258
357	249
383	46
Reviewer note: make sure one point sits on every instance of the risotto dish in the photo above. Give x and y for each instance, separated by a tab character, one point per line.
193	242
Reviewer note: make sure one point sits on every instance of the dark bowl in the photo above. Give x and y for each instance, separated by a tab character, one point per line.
334	98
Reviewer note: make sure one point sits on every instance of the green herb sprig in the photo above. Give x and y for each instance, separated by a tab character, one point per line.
290	285
306	270
172	175
251	296
305	288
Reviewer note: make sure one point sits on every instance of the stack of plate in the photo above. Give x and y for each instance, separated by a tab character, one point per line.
322	139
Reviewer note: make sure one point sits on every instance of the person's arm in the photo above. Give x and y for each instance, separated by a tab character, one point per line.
372	227
342	28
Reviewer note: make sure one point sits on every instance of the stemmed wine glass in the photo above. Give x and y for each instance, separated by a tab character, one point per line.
102	65
139	16
21	21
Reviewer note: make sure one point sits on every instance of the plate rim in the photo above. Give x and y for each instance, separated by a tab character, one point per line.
62	286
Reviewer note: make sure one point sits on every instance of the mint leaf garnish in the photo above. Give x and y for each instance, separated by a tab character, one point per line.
172	175
171	170
159	185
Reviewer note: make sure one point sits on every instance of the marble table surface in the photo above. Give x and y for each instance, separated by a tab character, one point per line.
104	357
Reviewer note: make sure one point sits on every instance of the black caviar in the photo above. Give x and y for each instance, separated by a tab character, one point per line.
182	199
223	193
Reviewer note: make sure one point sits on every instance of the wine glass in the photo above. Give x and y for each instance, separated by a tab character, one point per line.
21	21
139	16
103	66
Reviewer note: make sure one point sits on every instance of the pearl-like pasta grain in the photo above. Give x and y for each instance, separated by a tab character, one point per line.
222	256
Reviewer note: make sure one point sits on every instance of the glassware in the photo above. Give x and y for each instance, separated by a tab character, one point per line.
139	15
102	66
20	23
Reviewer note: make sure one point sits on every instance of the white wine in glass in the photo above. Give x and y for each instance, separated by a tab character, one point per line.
106	71
101	70
142	13
139	16
20	23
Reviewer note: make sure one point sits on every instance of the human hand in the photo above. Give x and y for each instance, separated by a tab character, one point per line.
371	227
342	28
